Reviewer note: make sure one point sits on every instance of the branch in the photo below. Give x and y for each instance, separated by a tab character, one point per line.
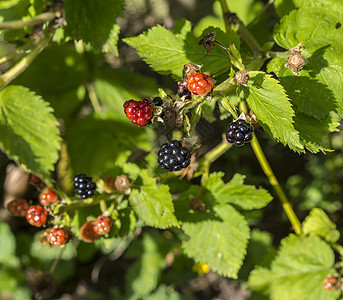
39	19
21	66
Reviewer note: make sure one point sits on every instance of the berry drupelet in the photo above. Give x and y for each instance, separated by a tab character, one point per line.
199	84
139	112
84	186
47	196
58	237
37	215
18	207
173	157
239	132
102	225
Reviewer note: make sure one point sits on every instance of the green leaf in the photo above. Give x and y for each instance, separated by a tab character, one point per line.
56	68
298	271
284	7
270	103
7	243
315	91
153	203
93	21
195	117
167	51
142	276
220	243
114	87
313	130
318	223
235	192
29	133
111	140
323	41
111	45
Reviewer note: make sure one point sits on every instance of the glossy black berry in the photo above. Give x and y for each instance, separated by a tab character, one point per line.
84	186
239	132
173	157
157	101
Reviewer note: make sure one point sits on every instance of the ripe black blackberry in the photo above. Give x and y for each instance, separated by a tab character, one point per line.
239	132
84	186
173	157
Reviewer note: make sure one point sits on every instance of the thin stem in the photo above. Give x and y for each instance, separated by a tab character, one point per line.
275	184
88	202
225	10
9	56
21	66
56	261
93	98
272	178
212	156
242	30
18	24
261	12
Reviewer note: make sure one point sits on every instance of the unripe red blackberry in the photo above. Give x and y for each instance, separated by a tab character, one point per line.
139	112
18	207
87	232
199	84
58	237
330	283
37	215
239	132
102	225
173	157
47	196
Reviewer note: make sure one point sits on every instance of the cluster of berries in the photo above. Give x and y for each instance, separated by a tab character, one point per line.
173	157
93	230
54	236
139	112
332	283
84	186
36	215
199	84
239	132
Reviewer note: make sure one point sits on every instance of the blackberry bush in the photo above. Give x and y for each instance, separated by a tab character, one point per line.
173	157
84	186
239	132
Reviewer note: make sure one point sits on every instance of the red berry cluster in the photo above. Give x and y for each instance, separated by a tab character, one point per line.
330	283
18	207
139	112
102	225
199	84
93	230
37	215
57	236
47	196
